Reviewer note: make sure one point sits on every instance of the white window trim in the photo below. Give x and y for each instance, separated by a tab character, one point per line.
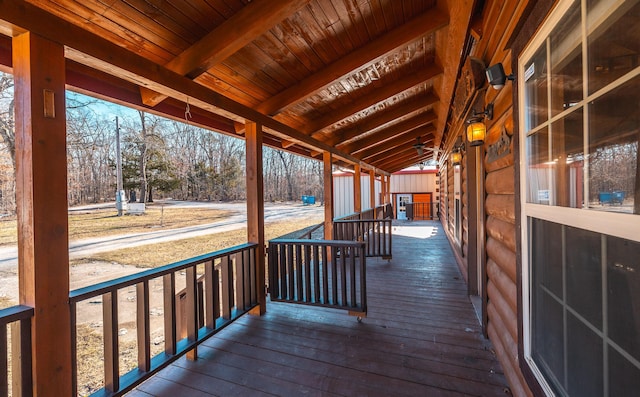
621	225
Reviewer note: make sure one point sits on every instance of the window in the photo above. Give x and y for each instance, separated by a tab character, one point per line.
579	85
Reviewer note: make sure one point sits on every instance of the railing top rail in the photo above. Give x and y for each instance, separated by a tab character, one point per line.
15	313
363	220
354	214
332	243
111	285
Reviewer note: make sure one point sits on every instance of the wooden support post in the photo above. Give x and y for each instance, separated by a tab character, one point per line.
41	202
383	190
372	191
255	207
328	195
357	193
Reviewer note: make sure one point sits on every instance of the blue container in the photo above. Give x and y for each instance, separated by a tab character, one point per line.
305	200
311	199
617	197
605	197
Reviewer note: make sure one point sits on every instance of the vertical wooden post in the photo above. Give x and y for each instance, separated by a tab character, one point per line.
255	207
328	195
383	192
41	201
357	192
372	191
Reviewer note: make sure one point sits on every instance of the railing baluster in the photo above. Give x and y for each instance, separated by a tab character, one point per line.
325	274
169	302
74	349
307	273
298	269
352	276
247	277
290	273
192	310
238	259
142	326
334	275
316	273
4	369
111	347
227	297
345	253
283	272
210	290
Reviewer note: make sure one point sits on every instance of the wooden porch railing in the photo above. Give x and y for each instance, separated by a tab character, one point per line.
19	319
319	272
376	234
226	291
422	211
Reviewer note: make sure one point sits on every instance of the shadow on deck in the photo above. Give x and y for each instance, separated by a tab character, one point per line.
420	338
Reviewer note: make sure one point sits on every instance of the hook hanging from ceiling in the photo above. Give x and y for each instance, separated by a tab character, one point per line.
187	111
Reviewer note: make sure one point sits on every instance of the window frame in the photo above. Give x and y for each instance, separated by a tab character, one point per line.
616	224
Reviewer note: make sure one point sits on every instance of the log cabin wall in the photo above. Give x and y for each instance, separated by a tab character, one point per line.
491	32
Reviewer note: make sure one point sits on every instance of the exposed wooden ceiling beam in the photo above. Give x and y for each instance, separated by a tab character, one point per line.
375	50
393	115
379	95
252	21
393	154
400	140
388	133
449	42
400	161
96	52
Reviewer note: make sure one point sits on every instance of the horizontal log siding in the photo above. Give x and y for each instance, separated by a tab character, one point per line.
499	20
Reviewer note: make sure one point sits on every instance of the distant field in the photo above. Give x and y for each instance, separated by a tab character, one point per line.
163	253
105	222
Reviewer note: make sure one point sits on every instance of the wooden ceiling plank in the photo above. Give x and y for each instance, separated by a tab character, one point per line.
101	54
377	96
449	42
392	116
408	137
241	29
364	56
388	133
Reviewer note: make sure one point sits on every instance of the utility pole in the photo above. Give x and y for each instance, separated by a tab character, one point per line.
121	202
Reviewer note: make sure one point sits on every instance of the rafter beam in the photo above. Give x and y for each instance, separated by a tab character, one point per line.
393	115
242	28
378	95
96	52
388	133
406	139
370	53
449	42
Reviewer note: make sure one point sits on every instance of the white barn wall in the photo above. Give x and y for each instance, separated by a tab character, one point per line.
343	197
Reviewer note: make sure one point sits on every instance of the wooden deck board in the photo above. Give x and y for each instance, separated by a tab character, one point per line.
420	338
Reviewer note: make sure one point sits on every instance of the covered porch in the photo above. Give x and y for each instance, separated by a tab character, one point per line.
421	337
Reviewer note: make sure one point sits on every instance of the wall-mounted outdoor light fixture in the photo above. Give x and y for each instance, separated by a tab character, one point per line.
456	156
496	76
476	129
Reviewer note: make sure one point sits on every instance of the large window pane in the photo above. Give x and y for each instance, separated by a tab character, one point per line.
568	159
536	100
623	280
584	273
584	366
624	377
566	61
613	42
539	168
614	127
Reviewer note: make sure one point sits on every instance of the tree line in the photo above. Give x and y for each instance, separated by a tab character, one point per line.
161	158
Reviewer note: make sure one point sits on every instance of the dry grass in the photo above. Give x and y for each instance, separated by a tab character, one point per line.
6	302
105	222
173	251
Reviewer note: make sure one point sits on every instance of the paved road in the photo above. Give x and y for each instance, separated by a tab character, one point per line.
90	246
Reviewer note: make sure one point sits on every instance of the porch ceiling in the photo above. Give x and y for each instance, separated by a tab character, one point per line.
366	80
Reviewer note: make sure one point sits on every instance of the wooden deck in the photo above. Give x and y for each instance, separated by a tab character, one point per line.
421	338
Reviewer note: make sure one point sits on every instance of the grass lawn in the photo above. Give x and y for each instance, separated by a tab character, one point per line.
163	253
105	222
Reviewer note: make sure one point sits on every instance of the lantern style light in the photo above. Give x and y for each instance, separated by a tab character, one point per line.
456	157
476	132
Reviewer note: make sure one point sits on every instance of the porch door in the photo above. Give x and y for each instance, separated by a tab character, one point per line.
403	199
422	206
